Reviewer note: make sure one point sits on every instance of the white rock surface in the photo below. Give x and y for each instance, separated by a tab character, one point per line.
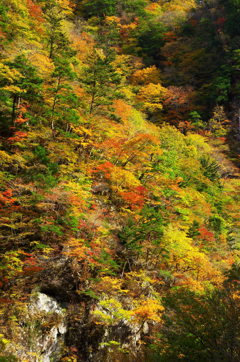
44	303
48	343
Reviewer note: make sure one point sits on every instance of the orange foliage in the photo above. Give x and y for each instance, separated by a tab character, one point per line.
178	103
122	109
135	198
31	266
153	7
149	309
20	119
205	234
18	136
6	198
35	11
170	36
105	169
83	44
127	29
2	34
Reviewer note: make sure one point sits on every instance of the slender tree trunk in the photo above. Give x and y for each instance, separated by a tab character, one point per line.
15	100
54	103
51	47
239	121
92	99
93	94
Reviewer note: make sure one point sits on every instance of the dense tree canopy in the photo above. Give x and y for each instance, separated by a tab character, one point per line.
119	185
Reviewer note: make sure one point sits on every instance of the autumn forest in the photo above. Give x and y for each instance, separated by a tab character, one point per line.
119	180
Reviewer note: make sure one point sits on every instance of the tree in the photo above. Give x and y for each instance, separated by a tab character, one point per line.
97	8
100	80
201	328
151	97
63	101
20	83
56	13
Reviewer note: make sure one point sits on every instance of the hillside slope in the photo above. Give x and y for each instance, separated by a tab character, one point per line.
118	208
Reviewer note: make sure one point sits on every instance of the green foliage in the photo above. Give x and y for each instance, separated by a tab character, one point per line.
102	201
8	359
98	76
19	84
149	227
204	328
210	168
98	8
150	37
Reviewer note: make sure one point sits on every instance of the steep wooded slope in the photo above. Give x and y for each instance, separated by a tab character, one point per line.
105	206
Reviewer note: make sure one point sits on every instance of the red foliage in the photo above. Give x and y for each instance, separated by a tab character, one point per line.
20	119
205	234
32	269
17	137
7	193
30	261
31	266
135	198
6	198
223	139
178	103
82	224
169	36
2	35
6	301
24	253
193	22
220	21
104	168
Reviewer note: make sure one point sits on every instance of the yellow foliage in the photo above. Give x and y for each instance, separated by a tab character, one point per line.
77	249
151	97
113	20
14	89
65	6
128	27
184	256
154	8
62	152
111	311
146	76
43	63
199	142
179	7
5	159
11	75
110	285
195	203
123	179
146	310
124	64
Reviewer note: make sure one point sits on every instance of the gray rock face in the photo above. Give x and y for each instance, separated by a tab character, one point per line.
44	303
41	333
49	343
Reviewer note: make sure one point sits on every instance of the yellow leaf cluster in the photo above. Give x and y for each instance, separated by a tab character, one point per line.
151	97
146	76
146	310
